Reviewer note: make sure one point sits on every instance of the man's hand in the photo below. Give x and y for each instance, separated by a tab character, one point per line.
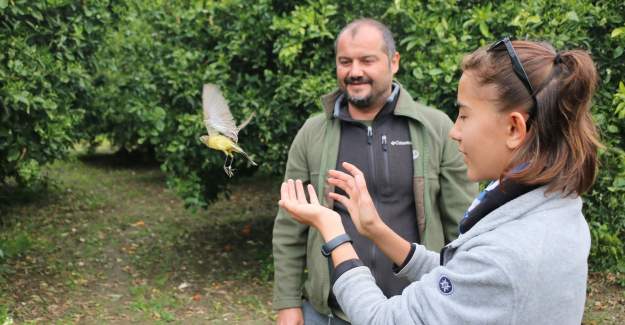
359	203
290	316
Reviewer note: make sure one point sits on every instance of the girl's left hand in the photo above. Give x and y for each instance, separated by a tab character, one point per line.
358	200
293	200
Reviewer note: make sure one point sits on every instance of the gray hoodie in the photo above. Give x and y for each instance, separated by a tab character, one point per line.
524	263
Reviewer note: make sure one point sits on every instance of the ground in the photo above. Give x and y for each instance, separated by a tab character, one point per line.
109	243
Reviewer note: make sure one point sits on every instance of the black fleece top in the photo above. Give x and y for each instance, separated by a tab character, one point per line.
383	152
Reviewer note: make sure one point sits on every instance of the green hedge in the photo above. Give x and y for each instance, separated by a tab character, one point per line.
141	87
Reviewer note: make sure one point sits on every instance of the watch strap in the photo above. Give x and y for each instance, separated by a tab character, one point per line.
327	248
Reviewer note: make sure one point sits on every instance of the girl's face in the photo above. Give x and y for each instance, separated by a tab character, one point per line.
486	137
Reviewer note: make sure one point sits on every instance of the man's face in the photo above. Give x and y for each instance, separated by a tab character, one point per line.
363	69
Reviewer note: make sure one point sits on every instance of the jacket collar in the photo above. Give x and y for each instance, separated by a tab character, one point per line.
490	199
405	105
532	202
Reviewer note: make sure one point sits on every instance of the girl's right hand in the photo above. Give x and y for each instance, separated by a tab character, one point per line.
359	203
293	200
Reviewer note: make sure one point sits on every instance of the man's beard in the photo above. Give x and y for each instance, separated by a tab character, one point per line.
360	101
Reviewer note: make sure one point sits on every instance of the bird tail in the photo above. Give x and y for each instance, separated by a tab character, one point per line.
239	150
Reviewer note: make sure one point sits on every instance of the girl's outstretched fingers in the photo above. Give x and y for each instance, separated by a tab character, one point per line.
283	192
284	195
291	190
299	189
339	183
288	198
343	181
346	202
313	196
352	169
359	178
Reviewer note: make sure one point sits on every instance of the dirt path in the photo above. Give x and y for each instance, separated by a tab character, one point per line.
111	245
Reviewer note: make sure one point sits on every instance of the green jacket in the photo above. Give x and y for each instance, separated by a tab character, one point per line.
442	193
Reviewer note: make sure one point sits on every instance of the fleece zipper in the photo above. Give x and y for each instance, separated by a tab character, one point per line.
372	266
387	172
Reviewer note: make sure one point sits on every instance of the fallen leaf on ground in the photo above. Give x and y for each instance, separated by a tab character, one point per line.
115	297
246	230
139	223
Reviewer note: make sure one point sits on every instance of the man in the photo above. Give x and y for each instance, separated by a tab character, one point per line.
414	173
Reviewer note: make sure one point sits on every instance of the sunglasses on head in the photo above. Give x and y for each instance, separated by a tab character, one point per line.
517	66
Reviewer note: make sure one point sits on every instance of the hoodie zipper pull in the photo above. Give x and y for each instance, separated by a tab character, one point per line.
369	134
384	143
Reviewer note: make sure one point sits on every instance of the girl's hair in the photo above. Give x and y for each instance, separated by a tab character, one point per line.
560	148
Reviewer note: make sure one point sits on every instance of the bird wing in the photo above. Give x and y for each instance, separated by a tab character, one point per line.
217	116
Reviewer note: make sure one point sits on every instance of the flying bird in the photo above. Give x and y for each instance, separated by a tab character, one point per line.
222	129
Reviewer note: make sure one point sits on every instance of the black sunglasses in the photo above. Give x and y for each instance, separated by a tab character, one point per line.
516	64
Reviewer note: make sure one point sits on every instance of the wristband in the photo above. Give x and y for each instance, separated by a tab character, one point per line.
327	248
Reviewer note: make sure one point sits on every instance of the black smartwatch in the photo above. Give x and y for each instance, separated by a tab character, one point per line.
327	248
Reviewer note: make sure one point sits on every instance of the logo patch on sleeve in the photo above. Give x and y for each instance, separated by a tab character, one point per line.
445	286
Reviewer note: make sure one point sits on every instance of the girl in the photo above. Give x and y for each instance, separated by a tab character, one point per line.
521	258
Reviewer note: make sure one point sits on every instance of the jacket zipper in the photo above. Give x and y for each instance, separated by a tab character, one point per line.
442	255
387	176
372	166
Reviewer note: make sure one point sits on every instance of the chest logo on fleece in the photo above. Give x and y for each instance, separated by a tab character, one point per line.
400	143
445	286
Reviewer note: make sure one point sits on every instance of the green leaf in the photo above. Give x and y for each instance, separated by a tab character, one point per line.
417	73
37	15
619	182
617	32
534	19
572	16
484	30
435	72
13	155
620	110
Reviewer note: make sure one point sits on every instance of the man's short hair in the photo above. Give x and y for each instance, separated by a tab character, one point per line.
387	36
